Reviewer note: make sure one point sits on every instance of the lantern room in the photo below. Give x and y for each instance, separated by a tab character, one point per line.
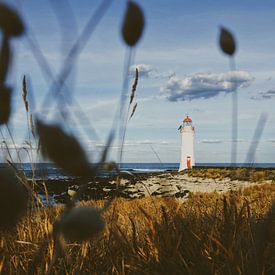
187	121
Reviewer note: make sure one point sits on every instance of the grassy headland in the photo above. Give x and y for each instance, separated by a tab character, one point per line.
234	173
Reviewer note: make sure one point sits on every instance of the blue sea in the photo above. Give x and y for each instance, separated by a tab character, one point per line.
50	171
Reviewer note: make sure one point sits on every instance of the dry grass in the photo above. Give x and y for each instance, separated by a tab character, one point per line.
240	173
208	234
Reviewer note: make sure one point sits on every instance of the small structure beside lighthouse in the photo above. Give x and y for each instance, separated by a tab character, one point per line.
187	131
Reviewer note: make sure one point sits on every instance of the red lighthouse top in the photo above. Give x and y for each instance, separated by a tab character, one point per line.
187	119
187	122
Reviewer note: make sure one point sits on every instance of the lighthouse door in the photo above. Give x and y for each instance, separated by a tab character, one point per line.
188	162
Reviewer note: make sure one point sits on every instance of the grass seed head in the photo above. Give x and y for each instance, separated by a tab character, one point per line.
10	21
81	224
227	41
5	104
134	110
24	94
134	87
64	150
133	24
13	199
5	59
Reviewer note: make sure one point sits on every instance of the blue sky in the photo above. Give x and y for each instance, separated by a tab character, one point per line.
179	60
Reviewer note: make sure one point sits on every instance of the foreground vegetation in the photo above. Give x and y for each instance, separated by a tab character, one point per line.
209	233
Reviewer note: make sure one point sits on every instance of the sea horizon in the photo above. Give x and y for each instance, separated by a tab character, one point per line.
49	171
160	163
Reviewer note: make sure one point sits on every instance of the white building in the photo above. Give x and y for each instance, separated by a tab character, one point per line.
187	144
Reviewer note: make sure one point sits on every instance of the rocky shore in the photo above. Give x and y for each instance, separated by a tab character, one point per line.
165	184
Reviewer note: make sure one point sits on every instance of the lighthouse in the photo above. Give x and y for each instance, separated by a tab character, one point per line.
187	131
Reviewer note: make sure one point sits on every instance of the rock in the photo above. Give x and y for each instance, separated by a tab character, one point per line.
71	192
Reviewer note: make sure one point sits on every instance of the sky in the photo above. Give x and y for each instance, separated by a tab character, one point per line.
181	71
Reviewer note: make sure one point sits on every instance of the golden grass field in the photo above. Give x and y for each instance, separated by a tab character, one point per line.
210	233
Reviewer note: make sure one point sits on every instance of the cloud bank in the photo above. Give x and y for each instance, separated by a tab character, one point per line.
204	85
215	141
210	141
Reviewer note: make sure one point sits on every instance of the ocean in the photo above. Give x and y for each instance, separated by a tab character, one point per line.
49	171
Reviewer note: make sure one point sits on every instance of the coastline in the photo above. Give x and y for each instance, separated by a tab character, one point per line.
160	184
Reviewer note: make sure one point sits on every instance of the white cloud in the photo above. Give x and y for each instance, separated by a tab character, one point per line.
204	85
100	145
215	141
211	141
148	71
144	70
152	142
264	95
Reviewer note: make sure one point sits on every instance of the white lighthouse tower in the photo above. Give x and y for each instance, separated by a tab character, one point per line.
187	144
